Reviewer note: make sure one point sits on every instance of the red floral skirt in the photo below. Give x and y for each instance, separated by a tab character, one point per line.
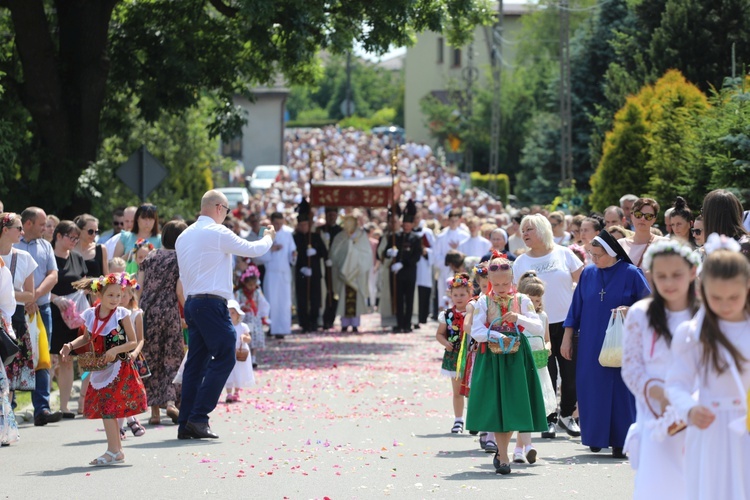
125	396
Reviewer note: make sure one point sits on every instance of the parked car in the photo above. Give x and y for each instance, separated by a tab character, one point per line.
235	195
264	176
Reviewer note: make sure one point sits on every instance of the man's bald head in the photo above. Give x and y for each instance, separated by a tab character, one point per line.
215	205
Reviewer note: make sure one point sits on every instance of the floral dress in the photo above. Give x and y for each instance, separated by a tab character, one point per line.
256	308
117	390
164	344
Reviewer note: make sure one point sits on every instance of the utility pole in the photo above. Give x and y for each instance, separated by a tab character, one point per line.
494	46
566	125
470	75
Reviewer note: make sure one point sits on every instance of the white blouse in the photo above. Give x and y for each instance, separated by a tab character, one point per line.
646	356
529	319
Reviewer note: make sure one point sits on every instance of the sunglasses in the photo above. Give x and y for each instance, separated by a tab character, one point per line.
696	232
118	223
640	215
223	206
92	232
499	267
148	209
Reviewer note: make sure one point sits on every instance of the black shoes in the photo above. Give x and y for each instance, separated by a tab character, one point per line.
617	452
500	468
47	417
194	430
595	449
551	432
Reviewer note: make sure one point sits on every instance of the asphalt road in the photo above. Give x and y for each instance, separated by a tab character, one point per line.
333	415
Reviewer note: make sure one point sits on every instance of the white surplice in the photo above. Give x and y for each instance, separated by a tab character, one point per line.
277	282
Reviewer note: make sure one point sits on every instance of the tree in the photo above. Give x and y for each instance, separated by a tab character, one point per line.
66	59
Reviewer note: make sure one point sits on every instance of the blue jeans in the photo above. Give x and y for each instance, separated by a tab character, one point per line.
40	395
210	360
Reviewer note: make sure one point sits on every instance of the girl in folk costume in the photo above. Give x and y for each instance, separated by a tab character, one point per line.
649	329
117	390
469	350
242	373
712	351
505	391
450	335
255	307
533	287
130	302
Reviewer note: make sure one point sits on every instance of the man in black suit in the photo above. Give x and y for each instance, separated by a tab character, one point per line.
307	270
405	256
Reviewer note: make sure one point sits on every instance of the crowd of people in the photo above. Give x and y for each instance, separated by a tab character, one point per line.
523	299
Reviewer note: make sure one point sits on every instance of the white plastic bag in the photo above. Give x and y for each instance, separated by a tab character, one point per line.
31	324
178	378
611	354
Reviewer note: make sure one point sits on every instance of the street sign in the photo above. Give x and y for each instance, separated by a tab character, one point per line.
142	173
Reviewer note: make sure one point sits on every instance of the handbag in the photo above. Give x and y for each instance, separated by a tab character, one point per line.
8	346
44	362
611	354
242	353
21	371
141	366
674	427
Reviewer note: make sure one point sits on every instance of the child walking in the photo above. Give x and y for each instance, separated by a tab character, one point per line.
450	335
256	309
505	392
242	373
130	303
650	326
117	390
533	287
712	351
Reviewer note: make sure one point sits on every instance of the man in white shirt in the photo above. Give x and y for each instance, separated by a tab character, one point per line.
204	255
476	245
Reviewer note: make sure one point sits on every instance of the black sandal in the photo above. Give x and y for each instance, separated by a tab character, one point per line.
136	428
458	427
500	467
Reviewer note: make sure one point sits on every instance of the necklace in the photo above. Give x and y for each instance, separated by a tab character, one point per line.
604	285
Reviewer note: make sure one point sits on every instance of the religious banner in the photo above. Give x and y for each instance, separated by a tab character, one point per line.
370	192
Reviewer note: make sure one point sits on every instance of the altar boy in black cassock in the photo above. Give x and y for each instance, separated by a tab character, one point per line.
404	268
307	273
329	232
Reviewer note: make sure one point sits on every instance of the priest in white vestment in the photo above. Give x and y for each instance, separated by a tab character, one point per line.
277	282
450	239
351	255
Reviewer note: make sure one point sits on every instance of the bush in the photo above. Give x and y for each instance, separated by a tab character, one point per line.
484	181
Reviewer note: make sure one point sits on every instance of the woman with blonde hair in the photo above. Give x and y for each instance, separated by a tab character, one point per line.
559	269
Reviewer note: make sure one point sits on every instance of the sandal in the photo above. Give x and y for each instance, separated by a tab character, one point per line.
108	458
154	420
173	413
136	428
122	434
458	427
500	467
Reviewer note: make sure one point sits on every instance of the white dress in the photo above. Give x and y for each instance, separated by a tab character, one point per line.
717	461
545	381
277	284
645	357
242	373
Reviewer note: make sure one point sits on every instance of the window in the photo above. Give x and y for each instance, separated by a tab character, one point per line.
456	60
232	148
440	48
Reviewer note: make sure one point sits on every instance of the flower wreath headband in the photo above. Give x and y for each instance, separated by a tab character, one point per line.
8	219
125	280
458	281
142	242
666	247
251	271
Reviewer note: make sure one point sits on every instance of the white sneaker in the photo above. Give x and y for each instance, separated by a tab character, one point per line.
518	456
530	454
570	426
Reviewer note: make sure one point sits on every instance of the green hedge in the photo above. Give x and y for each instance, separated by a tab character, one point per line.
484	181
309	123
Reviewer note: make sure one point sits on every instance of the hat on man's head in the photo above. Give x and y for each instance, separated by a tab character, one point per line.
303	210
332	209
410	212
611	246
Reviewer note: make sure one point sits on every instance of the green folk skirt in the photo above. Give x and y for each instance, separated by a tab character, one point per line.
505	392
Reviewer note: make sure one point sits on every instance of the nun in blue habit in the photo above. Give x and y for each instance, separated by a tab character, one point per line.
606	407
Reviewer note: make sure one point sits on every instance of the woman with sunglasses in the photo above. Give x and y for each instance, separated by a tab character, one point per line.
95	255
145	226
71	267
698	233
643	217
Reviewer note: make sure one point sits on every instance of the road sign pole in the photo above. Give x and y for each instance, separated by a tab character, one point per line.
142	173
